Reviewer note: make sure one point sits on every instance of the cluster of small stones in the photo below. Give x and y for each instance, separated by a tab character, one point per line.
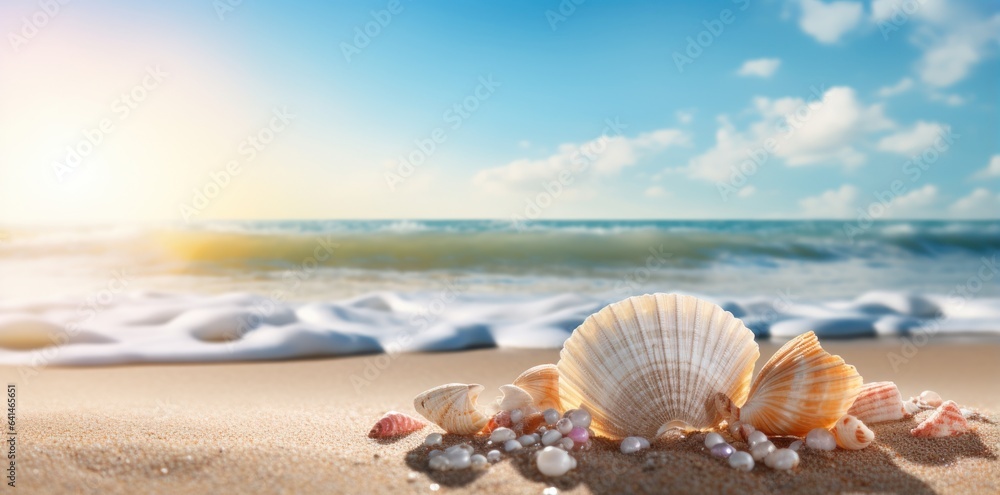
558	436
762	449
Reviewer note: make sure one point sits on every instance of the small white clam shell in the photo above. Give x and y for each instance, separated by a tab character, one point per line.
852	434
452	407
514	397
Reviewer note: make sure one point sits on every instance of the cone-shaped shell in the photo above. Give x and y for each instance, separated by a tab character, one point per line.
650	361
878	402
452	407
542	383
800	388
395	424
514	397
946	421
852	434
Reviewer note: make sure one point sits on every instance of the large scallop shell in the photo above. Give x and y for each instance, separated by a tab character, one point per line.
452	407
647	363
852	434
395	424
542	383
946	421
800	388
878	402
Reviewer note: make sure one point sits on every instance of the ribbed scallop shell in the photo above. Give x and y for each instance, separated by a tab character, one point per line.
651	361
852	434
542	383
800	388
452	407
395	424
878	402
946	421
515	397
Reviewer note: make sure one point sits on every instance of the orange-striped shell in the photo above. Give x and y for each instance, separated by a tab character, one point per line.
542	383
453	407
800	388
852	434
395	424
878	402
946	421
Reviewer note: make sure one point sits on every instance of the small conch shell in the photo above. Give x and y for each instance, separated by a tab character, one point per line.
514	397
852	434
542	383
395	424
802	387
452	407
878	402
946	421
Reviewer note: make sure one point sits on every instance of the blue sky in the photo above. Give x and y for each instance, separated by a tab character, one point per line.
849	92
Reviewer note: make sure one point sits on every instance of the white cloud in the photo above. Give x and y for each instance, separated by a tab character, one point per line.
902	86
834	203
824	129
603	156
759	67
992	169
827	22
524	144
685	117
947	99
746	191
980	203
655	192
911	141
914	204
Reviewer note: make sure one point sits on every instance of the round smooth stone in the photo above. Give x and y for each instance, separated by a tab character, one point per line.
761	450
578	435
516	416
741	461
782	459
821	439
478	461
756	437
550	416
566	443
502	434
580	417
439	463
459	459
796	445
433	439
713	438
527	440
551	437
434	453
564	426
643	441
722	450
512	445
554	462
493	456
630	445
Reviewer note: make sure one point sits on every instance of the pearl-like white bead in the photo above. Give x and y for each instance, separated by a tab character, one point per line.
782	459
761	450
554	462
580	417
713	438
502	434
512	445
550	437
550	416
821	439
630	445
564	426
741	461
756	437
433	439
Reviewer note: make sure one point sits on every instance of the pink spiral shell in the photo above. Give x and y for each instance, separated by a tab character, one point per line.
395	424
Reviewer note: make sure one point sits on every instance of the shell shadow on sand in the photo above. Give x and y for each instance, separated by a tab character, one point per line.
935	451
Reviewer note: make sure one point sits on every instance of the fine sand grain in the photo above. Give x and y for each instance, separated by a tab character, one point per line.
300	427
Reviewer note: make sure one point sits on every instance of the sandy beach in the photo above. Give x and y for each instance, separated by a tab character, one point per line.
300	427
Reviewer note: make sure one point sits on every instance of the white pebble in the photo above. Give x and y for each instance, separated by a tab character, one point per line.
527	440
796	445
761	450
550	437
554	462
433	439
479	461
564	426
493	456
821	439
565	444
550	416
502	434
434	453
516	416
642	440
712	439
439	463
459	459
630	445
511	445
756	437
783	459
580	417
741	461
